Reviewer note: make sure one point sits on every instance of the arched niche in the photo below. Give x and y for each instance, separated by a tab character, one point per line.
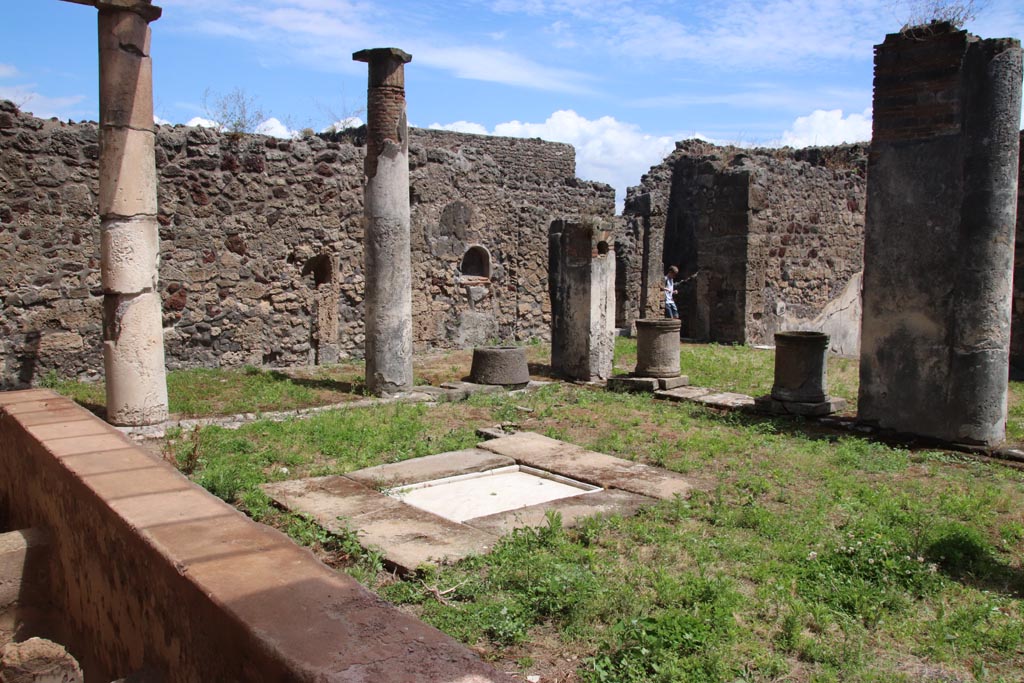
476	262
321	268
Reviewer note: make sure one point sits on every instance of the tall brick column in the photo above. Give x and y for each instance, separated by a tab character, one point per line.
133	350
386	245
939	231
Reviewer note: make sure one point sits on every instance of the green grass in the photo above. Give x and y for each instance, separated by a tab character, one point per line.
740	369
804	555
217	391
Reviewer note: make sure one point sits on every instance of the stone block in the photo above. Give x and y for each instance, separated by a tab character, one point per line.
430	467
37	660
54	345
633	384
599	469
772	406
684	393
473	388
673	382
727	400
130	248
572	510
126	89
123	28
407	536
127	173
133	359
22	555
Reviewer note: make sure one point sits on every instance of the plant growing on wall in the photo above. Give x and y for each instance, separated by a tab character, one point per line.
234	112
956	13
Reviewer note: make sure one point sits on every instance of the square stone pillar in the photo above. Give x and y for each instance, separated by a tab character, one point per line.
939	231
581	284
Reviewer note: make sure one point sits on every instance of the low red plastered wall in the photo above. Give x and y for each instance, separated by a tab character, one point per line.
149	571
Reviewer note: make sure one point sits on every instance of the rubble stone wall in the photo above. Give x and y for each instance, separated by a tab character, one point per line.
1017	320
765	239
247	224
938	244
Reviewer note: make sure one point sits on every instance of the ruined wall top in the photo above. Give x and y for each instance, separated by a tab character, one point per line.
919	80
846	157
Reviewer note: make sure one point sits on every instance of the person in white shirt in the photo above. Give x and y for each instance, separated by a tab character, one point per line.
671	311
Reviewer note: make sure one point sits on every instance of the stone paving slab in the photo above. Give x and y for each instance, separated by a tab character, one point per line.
329	498
407	536
727	400
411	537
606	471
572	510
714	399
429	467
473	388
682	393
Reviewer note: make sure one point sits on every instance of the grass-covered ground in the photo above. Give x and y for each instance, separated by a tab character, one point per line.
806	555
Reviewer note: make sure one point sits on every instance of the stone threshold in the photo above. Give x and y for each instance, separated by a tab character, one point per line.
448	391
408	536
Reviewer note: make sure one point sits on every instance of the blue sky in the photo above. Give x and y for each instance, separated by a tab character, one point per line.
620	80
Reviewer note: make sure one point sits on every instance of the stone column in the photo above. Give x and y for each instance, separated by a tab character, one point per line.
386	245
657	347
133	350
581	284
939	231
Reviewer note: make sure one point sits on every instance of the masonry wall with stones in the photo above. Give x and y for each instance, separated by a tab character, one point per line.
261	243
765	239
1017	318
942	200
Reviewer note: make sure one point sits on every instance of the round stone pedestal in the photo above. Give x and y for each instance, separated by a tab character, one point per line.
657	347
800	367
504	365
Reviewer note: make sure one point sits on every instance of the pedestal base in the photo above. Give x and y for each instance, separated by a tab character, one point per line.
632	383
767	404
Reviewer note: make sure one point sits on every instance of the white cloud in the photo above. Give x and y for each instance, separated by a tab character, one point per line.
500	66
738	35
828	128
342	124
202	123
324	33
607	150
160	121
37	104
461	127
767	95
8	71
275	129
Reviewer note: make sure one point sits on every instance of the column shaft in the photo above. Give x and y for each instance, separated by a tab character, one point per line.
387	250
133	351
